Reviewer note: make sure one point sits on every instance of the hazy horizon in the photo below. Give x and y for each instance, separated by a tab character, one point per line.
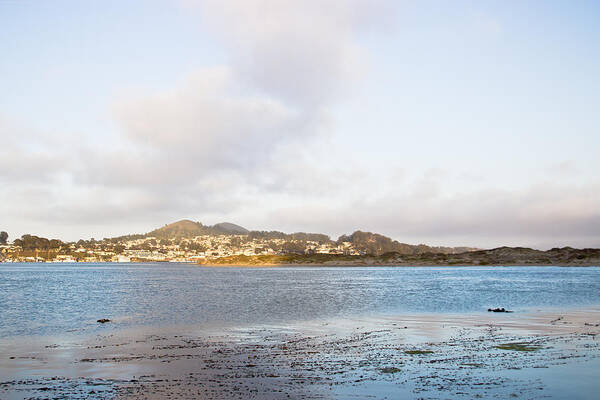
449	124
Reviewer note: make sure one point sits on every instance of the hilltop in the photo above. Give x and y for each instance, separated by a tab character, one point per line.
189	229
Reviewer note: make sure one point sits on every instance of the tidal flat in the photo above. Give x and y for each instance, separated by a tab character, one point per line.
426	356
179	331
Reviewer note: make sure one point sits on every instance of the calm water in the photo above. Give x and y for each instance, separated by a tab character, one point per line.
42	299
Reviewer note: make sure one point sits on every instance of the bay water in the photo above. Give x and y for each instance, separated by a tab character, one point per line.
55	299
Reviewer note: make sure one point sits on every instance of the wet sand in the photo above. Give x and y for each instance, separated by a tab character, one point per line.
544	354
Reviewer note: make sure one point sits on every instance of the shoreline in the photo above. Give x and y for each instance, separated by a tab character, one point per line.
398	265
326	264
411	355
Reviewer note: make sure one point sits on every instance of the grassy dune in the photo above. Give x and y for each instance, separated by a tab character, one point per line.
501	256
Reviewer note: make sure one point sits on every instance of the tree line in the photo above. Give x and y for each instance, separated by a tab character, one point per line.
32	242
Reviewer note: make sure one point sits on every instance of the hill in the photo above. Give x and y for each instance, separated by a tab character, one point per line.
376	244
183	228
365	242
189	229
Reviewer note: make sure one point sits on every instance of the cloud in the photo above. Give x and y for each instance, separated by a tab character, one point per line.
206	112
566	168
541	215
29	155
306	53
290	62
203	126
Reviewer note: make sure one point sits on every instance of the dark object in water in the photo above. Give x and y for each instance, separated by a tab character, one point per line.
498	310
103	320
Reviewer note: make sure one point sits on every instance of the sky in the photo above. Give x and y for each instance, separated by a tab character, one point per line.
447	123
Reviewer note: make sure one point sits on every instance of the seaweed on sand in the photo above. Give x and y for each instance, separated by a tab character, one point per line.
417	352
519	346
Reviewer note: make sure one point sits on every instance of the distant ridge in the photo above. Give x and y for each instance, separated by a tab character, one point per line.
376	244
366	242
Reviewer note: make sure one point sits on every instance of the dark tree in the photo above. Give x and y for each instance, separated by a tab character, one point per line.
31	242
54	244
3	237
296	247
196	247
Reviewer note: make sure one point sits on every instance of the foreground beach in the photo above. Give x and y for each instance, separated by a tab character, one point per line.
545	354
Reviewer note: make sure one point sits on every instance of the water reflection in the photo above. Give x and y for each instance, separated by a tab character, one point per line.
50	299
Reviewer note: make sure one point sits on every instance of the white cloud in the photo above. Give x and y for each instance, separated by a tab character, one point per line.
305	52
203	126
290	62
541	215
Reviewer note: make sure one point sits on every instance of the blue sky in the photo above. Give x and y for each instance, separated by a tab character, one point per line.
447	123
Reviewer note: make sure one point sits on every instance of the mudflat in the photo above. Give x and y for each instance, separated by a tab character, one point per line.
544	354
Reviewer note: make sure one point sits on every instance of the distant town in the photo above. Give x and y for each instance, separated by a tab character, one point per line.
193	242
